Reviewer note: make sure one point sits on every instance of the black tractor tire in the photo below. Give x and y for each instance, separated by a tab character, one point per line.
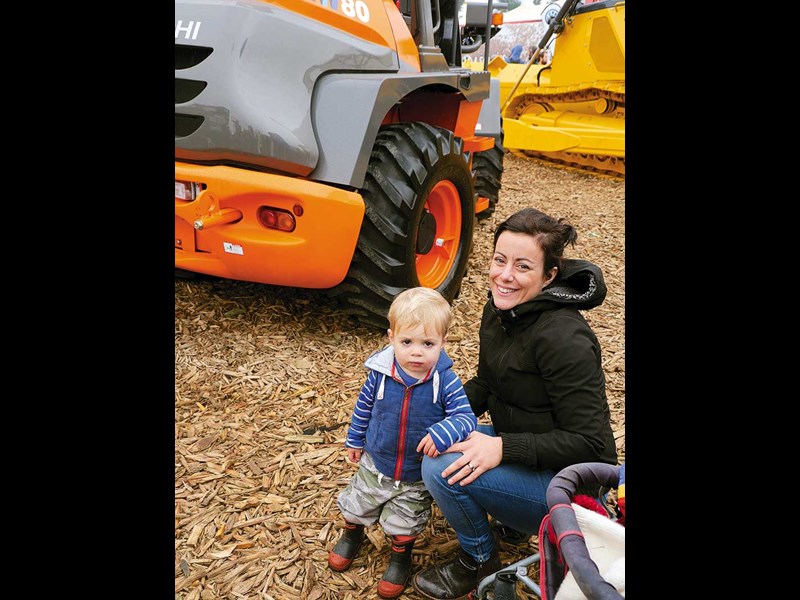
488	167
419	196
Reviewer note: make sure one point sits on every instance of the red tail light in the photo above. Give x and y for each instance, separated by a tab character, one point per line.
275	218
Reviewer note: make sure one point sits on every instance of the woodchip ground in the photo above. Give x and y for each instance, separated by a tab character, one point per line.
266	379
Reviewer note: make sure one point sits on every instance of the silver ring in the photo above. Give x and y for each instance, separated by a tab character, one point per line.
471	468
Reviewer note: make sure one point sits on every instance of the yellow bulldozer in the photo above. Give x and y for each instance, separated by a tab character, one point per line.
570	110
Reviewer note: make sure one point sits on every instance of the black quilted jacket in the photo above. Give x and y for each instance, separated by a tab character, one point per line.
540	375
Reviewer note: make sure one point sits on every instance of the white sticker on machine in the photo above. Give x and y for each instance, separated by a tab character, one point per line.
233	248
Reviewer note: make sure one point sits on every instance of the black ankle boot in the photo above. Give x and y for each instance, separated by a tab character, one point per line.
454	580
394	579
347	547
510	536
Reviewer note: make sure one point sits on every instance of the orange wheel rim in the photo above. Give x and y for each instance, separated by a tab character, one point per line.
444	204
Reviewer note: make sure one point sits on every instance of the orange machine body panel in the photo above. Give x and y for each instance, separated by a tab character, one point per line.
316	254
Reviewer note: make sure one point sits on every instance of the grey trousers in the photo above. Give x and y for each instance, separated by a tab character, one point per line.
401	507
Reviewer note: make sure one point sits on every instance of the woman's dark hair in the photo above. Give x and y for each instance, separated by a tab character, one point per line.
552	234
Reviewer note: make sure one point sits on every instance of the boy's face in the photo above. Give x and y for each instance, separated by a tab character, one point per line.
415	350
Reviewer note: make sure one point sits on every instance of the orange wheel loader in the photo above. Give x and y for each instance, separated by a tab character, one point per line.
333	144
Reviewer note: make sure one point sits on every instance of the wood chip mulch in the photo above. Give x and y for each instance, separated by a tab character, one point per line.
265	381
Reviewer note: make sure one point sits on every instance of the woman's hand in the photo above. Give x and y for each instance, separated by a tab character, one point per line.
481	453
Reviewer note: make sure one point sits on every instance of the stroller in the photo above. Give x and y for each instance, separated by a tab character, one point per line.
581	553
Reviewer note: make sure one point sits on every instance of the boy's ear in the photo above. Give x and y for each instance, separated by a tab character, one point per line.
391	336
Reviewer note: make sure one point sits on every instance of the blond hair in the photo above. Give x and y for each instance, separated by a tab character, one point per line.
420	306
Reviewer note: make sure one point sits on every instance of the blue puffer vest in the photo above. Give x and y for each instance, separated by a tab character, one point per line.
401	416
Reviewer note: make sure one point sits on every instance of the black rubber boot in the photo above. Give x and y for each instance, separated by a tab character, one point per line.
347	547
394	579
454	580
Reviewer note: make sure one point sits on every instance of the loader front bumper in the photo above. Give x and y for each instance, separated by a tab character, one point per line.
224	230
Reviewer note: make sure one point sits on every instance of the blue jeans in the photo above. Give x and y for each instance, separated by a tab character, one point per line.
511	493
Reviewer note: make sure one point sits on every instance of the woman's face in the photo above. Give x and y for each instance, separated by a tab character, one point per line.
516	273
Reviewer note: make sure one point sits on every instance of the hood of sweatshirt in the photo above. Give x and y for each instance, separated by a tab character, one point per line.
382	361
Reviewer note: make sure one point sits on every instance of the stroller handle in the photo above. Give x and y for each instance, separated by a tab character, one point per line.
561	491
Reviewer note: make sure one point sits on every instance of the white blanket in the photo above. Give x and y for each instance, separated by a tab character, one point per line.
605	541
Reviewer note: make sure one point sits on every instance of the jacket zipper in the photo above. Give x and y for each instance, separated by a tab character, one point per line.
401	445
501	355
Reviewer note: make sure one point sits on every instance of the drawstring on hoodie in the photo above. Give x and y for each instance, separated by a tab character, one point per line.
382	384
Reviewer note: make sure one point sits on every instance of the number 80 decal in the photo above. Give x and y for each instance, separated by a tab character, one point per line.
350	8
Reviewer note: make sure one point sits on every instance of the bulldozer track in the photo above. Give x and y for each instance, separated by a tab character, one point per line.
603	165
586	94
582	162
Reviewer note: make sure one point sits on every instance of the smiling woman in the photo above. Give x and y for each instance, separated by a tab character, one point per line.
540	378
517	273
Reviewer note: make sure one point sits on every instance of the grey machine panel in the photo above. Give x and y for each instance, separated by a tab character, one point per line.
257	81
